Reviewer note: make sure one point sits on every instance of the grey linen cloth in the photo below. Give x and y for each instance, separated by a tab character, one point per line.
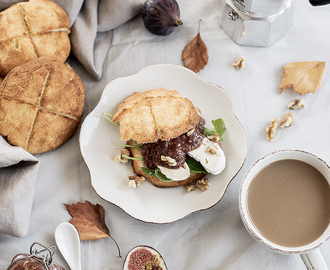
18	172
92	23
91	33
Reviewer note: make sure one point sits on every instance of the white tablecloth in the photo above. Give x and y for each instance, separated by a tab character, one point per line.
214	238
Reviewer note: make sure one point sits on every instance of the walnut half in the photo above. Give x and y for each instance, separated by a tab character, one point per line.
287	120
135	181
190	187
239	63
297	104
170	161
270	130
203	184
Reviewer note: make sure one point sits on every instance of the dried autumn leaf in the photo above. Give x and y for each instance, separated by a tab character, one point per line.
89	221
195	55
303	77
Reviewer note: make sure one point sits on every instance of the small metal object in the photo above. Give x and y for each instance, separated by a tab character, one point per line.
232	15
46	254
256	22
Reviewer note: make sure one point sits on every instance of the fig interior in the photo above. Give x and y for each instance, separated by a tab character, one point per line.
289	203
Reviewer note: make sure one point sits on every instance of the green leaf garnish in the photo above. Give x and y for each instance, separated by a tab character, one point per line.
132	158
195	166
209	131
109	117
128	145
161	176
149	172
156	173
219	128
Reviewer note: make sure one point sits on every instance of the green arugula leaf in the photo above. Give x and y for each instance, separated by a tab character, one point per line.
149	172
161	176
195	166
132	158
209	131
109	117
128	145
156	173
219	128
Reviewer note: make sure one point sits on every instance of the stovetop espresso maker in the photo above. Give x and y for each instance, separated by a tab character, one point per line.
258	22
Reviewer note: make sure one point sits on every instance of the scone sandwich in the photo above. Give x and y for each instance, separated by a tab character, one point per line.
167	140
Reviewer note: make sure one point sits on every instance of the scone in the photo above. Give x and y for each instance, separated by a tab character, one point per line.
41	104
29	30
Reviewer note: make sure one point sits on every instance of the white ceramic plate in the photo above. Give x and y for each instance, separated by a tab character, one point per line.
98	139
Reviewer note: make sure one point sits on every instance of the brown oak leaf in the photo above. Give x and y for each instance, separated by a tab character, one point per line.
89	221
195	54
303	77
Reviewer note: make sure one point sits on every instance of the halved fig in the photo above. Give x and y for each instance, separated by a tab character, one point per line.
144	257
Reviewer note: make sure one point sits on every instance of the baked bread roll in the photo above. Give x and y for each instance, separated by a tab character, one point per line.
41	104
29	30
148	116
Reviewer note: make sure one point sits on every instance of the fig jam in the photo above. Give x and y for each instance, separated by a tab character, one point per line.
176	148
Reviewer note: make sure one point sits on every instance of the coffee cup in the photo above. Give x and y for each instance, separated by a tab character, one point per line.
281	223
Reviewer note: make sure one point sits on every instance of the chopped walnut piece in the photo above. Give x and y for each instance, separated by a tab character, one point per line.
287	120
297	104
212	150
214	138
190	132
203	184
239	63
131	184
190	187
120	158
125	152
170	161
270	130
135	181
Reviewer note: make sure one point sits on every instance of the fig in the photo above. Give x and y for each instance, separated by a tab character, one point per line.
161	17
144	257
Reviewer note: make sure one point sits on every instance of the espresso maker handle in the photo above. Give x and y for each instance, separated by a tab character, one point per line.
319	2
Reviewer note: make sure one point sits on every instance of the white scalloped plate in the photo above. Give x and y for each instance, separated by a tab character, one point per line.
98	139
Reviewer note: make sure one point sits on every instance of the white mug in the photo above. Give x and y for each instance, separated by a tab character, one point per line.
309	253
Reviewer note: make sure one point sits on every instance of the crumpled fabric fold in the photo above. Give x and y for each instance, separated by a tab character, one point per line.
18	172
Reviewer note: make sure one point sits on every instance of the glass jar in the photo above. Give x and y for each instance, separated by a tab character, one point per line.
38	259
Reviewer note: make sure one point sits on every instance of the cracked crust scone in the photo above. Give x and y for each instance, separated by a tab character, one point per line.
148	116
41	104
29	30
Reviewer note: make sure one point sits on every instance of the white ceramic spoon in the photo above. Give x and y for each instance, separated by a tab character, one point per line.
68	242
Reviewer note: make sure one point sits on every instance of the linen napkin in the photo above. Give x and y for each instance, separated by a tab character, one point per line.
18	171
91	34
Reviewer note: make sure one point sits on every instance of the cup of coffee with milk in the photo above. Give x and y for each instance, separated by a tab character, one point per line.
284	203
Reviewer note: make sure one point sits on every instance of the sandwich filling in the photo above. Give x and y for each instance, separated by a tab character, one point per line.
172	153
170	156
